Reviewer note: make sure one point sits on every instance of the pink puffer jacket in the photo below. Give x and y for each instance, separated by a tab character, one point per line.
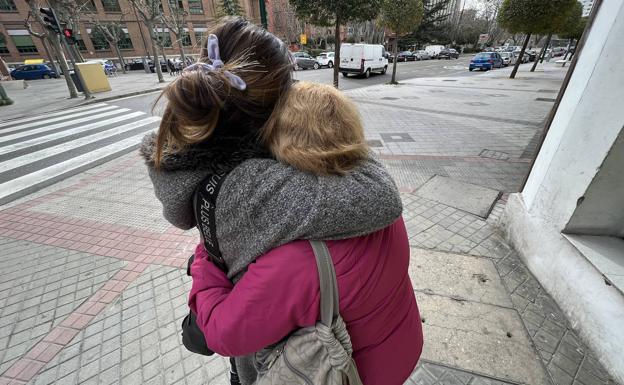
280	293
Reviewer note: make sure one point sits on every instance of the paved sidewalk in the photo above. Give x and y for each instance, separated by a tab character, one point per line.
43	95
92	285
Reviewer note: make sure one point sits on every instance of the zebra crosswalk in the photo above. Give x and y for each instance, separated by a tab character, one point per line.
38	151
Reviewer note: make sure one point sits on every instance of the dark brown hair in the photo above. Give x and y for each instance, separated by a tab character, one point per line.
200	102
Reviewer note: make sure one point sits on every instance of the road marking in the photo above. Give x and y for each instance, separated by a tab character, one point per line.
48	174
76	130
61	148
58	118
10	123
63	124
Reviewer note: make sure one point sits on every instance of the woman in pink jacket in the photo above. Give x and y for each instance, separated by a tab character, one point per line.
317	130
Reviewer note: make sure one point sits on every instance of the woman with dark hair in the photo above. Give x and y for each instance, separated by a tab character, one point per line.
209	147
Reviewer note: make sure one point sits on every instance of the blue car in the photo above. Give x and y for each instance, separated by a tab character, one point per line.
486	61
33	71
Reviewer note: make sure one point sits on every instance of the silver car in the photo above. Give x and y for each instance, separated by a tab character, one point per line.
422	55
509	58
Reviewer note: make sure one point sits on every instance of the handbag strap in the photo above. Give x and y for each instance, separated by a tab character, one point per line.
330	302
204	209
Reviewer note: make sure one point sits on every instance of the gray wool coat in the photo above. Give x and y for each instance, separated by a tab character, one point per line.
263	203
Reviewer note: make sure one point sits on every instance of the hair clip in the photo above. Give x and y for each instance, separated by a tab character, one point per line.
216	63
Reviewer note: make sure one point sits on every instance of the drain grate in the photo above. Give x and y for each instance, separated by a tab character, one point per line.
549	91
546	100
389	98
494	154
374	143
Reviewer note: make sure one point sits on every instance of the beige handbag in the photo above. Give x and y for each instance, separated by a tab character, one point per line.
316	355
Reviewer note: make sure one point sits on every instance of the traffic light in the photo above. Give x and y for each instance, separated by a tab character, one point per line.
69	35
49	17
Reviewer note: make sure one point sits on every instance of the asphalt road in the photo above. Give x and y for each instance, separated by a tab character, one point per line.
405	70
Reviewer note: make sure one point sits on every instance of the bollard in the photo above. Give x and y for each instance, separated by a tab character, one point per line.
4	99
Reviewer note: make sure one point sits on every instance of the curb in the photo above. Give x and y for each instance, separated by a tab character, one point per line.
95	99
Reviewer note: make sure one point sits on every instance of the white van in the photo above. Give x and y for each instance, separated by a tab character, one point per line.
362	59
434	50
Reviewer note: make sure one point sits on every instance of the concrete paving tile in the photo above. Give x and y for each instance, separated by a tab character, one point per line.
471	278
474	337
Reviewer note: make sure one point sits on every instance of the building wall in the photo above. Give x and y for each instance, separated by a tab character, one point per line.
13	22
573	169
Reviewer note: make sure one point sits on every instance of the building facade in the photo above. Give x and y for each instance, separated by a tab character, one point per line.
18	45
452	9
587	7
568	221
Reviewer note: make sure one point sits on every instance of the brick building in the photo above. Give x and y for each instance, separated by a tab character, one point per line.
19	45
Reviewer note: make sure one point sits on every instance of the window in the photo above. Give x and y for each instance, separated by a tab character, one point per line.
24	43
4	50
164	38
195	7
176	4
186	39
80	43
89	5
125	42
199	31
7	6
111	6
98	40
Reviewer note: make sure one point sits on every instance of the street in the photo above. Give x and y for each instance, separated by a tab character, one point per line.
405	70
41	150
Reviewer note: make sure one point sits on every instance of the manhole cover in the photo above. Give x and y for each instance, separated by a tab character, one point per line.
389	98
494	154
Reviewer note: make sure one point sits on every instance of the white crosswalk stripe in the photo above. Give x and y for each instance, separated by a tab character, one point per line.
38	151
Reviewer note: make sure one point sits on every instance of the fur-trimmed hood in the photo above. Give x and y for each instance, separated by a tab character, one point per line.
221	153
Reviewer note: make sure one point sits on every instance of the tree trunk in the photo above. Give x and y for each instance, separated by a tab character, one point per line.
182	57
63	63
545	47
515	69
120	56
568	49
337	51
46	47
542	52
155	54
394	61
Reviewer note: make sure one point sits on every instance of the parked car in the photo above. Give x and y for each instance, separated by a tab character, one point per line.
531	54
303	60
163	66
557	51
486	61
448	54
326	59
406	56
434	50
363	59
509	58
33	71
134	65
107	65
524	58
422	55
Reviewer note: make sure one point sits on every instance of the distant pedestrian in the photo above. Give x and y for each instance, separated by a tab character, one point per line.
208	142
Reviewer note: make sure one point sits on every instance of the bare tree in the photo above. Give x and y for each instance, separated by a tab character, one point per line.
176	22
44	38
150	12
113	33
55	43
